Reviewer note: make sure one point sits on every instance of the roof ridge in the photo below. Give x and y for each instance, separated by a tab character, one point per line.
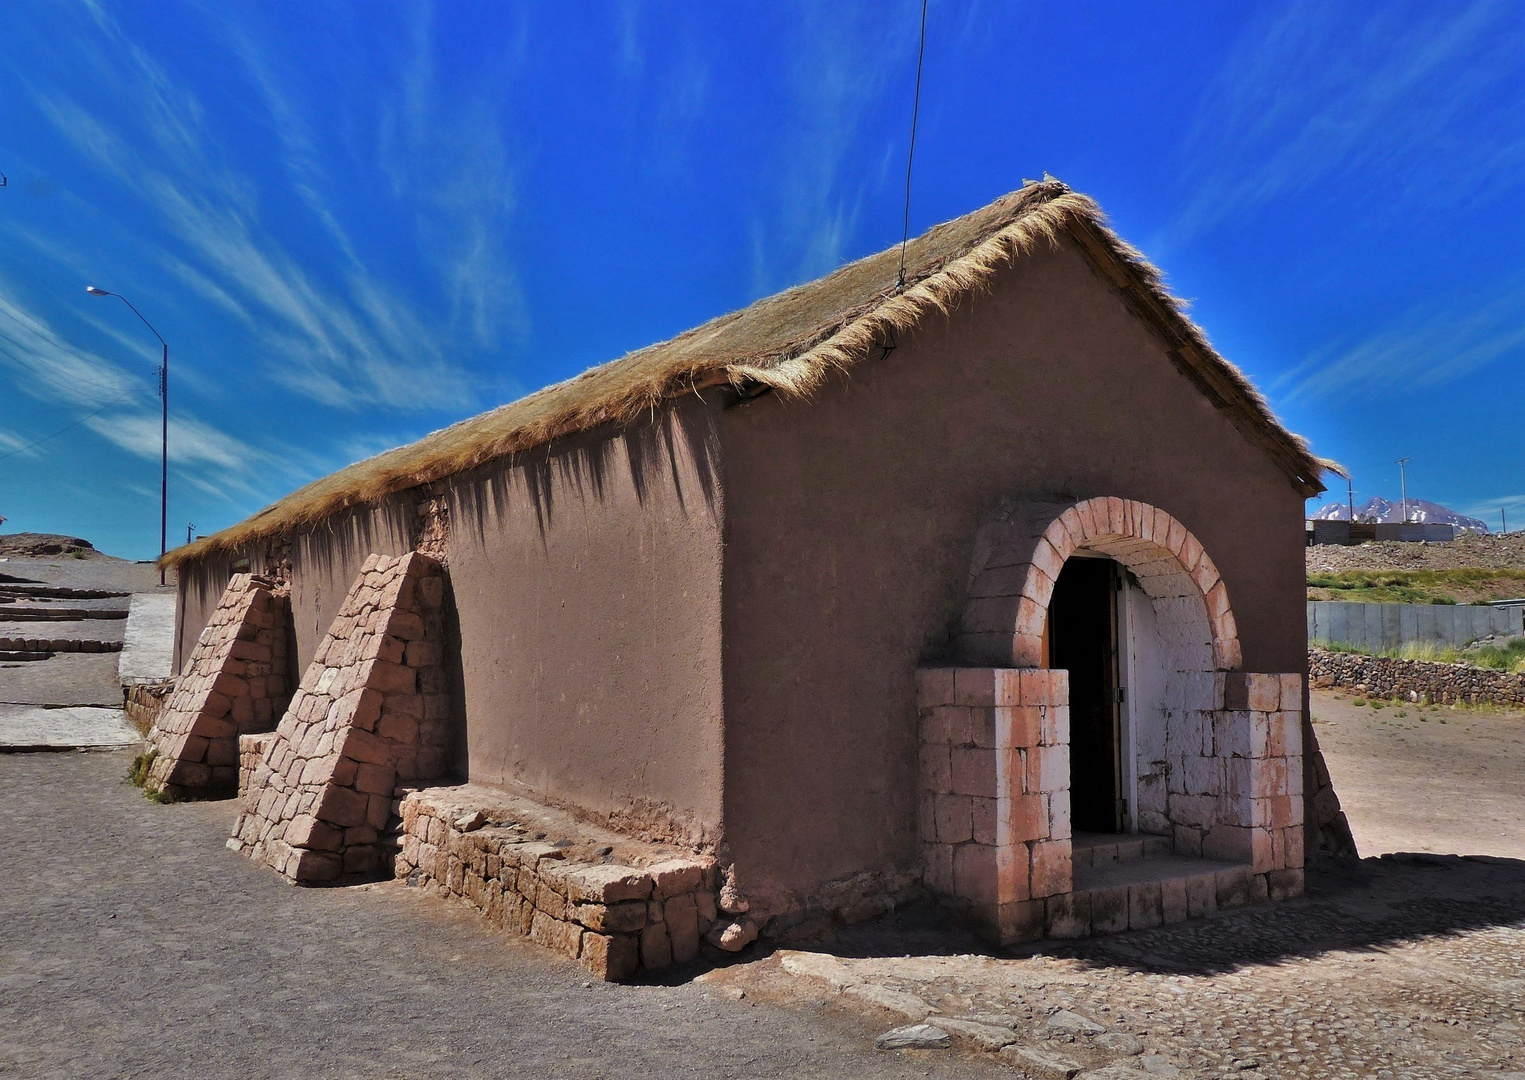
795	345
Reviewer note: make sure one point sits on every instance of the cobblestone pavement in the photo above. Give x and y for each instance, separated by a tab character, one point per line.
62	679
132	944
1396	967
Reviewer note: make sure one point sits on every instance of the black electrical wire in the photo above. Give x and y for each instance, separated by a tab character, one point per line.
69	427
905	232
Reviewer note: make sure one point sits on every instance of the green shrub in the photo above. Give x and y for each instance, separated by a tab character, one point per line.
138	777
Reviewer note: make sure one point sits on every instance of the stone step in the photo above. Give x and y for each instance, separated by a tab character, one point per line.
1099	849
1139	894
58	645
32	613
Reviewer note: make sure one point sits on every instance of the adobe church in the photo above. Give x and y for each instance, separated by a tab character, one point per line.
986	586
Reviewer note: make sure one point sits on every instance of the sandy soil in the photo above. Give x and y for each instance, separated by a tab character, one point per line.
1426	778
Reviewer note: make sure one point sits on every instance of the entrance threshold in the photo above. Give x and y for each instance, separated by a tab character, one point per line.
1134	882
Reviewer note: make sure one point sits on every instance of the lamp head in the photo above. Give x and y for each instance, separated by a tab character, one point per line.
93	291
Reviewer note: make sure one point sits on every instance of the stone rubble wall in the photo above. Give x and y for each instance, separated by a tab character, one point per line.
234	683
251	751
432	528
614	918
372	710
1415	680
144	701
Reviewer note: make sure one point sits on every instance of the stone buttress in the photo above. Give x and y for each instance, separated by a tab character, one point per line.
234	683
372	710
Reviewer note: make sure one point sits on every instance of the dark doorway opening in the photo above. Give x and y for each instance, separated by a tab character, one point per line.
1082	622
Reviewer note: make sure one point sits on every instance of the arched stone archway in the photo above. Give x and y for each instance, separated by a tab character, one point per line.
1018	555
1222	754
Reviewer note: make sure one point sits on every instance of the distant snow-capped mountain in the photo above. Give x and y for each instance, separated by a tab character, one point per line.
1383	510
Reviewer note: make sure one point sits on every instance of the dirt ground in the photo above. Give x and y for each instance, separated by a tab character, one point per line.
1426	778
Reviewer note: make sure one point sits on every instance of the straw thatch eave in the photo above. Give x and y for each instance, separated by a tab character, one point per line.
792	343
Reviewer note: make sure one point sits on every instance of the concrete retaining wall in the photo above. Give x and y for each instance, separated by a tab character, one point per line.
1375	627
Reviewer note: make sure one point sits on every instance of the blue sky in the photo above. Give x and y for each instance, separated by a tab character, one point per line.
358	223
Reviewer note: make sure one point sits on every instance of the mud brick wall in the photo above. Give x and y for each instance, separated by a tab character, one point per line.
372	710
615	920
233	683
995	793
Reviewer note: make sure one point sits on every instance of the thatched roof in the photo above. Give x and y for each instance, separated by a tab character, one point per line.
791	343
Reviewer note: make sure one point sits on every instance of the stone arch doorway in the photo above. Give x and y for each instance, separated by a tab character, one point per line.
1018	557
1215	753
1122	596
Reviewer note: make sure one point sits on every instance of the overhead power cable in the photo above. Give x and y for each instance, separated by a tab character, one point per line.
68	427
58	378
58	341
905	231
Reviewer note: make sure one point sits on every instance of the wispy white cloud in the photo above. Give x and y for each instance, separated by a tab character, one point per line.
43	365
1430	347
1313	91
348	338
842	59
1488	510
16	445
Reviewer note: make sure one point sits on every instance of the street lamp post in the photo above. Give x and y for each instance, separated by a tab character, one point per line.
164	398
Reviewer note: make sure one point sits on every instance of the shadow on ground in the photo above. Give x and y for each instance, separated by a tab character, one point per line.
1368	904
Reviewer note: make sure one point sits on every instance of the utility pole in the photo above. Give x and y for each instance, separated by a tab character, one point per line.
190	527
1350	497
164	396
1403	485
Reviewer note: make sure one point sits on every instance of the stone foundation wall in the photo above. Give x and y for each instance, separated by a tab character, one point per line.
144	701
615	918
1415	680
372	709
233	683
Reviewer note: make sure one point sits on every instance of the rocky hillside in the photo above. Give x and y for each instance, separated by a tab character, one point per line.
1467	551
43	546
